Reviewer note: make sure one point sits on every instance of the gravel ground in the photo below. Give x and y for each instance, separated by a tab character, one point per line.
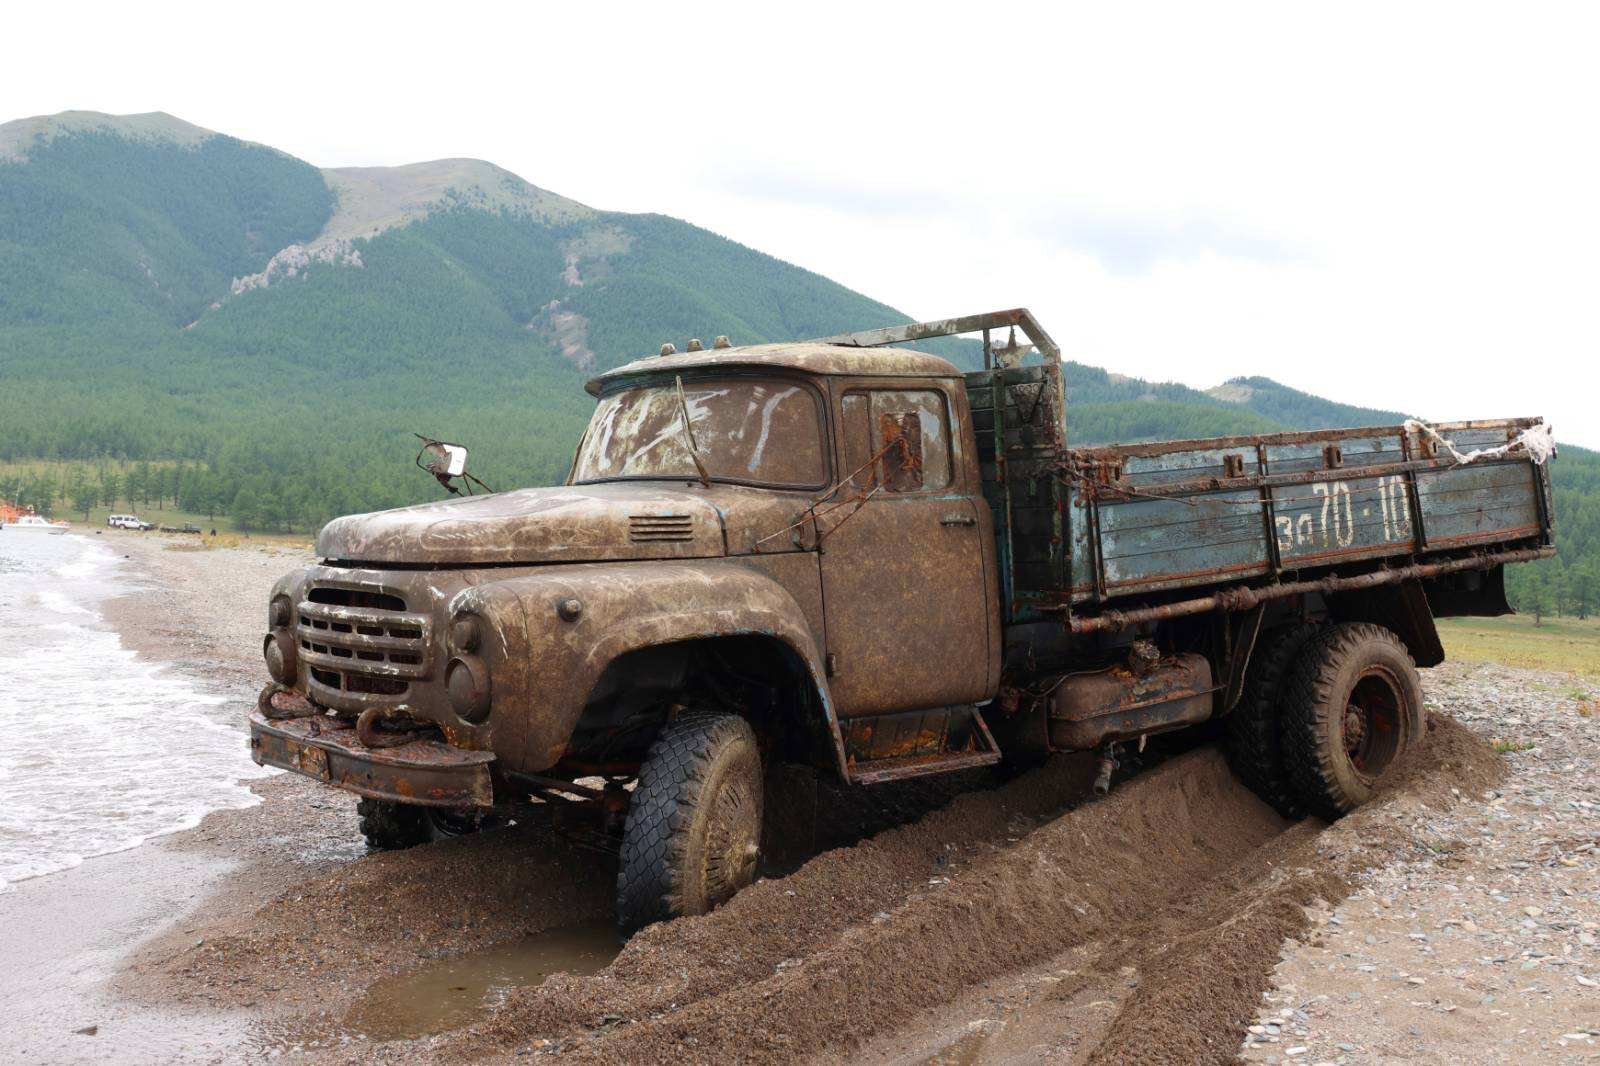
1481	949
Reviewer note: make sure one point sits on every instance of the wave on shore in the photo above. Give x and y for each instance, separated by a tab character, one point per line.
102	750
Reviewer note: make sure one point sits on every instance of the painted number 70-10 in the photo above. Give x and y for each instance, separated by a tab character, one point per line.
1341	508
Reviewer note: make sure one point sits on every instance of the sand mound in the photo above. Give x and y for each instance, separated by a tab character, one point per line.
1181	873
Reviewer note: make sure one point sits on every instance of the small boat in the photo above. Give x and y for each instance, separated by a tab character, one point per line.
32	523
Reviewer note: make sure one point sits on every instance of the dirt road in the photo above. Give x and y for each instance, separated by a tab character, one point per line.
1020	923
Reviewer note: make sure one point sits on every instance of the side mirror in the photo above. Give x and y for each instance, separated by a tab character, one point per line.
449	460
446	461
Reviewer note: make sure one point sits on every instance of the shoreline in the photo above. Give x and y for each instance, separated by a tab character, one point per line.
65	934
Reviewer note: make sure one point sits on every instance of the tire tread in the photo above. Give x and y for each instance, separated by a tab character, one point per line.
671	783
1255	742
1308	703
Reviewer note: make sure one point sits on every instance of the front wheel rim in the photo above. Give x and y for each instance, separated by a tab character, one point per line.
732	841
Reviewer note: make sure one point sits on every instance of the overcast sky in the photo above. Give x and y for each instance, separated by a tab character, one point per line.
1392	205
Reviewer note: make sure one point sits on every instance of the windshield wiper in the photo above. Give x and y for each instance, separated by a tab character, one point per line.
688	433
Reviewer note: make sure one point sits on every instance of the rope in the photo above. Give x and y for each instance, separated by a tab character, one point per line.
859	499
1538	440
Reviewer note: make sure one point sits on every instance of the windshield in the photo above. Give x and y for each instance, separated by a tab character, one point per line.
766	432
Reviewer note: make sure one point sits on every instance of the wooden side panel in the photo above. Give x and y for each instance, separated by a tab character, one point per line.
1152	471
1155	544
1296	503
1478	503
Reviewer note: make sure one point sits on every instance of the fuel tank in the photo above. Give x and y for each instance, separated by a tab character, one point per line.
1119	703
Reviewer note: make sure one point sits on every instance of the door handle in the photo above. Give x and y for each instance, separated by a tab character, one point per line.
958	520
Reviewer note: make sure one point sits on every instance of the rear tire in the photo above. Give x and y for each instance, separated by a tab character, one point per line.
1255	742
693	833
1352	707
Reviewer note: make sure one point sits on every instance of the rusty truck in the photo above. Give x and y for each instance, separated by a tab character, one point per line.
849	555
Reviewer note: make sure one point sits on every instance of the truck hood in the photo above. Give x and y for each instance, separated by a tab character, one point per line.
577	523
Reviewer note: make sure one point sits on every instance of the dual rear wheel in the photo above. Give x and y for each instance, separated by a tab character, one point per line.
1326	714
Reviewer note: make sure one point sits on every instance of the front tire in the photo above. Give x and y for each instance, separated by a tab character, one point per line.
693	832
1352	707
391	826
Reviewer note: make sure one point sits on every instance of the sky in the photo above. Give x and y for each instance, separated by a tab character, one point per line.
1392	205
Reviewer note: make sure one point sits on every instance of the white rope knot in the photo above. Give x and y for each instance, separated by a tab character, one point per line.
1538	441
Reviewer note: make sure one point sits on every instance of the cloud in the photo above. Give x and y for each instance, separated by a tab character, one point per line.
1131	244
851	198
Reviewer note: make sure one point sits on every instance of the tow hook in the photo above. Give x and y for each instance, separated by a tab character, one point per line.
1105	768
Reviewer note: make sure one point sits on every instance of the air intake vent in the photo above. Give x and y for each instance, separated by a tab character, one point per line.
646	528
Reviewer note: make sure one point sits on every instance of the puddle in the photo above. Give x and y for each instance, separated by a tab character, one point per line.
447	994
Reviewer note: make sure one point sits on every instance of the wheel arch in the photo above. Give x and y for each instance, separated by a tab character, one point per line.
557	631
760	655
1403	609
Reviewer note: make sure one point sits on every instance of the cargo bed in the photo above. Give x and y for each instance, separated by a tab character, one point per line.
1147	518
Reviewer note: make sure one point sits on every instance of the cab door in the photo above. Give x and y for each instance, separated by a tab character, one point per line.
906	549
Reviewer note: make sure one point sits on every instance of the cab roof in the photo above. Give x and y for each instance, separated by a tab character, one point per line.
807	356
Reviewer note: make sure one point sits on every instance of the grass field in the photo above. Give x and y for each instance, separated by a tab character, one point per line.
225	529
1558	644
226	536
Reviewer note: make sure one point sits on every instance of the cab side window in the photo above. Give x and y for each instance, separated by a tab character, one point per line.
897	439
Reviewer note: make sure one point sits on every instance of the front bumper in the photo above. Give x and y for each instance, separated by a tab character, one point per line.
430	773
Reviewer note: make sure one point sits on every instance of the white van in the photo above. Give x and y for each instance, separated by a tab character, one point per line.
127	521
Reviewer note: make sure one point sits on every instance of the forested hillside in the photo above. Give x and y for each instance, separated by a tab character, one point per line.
1301	409
261	338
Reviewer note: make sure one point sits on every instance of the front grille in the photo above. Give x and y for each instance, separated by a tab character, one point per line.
649	528
361	641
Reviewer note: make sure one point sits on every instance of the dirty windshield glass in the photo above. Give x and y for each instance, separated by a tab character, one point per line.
764	432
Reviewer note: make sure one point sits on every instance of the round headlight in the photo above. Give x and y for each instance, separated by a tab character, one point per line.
278	648
466	681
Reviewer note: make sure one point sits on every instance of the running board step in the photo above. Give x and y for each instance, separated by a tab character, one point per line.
889	747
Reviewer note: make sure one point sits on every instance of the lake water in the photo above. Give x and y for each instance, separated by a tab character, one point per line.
99	750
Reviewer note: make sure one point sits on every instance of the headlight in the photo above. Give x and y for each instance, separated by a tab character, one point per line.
466	681
282	656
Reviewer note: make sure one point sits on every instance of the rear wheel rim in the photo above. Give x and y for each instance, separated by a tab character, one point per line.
1373	726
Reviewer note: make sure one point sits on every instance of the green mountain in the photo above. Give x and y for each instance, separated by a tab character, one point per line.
1299	409
170	293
